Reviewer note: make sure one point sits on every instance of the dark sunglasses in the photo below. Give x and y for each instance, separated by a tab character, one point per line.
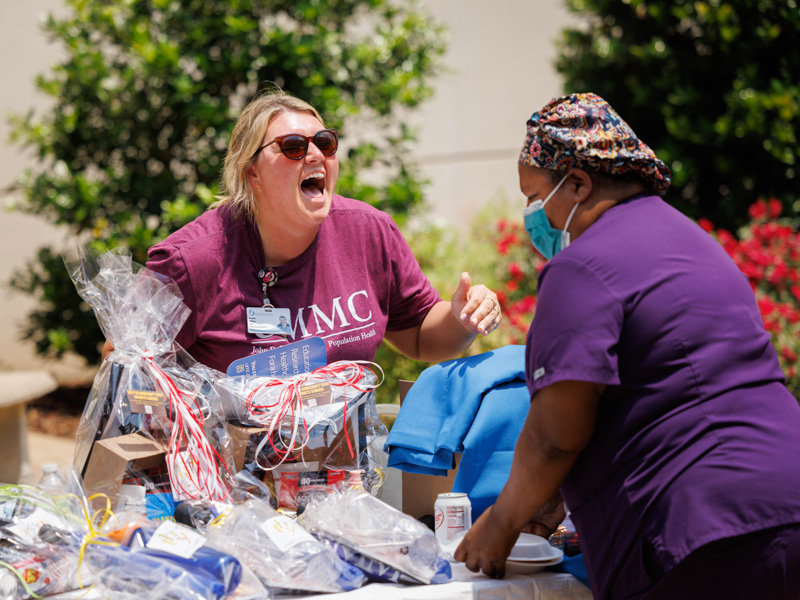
295	146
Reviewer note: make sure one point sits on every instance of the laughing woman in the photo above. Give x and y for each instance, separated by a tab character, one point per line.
332	267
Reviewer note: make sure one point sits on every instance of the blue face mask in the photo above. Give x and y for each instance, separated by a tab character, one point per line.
544	237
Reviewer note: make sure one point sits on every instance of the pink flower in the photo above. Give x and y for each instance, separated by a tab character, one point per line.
502	298
728	242
515	271
706	224
775	208
754	272
772	326
758	210
525	306
766	306
506	240
779	273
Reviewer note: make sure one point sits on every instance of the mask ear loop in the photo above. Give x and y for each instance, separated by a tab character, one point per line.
555	189
565	237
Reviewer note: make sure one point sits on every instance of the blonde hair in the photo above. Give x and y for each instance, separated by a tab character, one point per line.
235	190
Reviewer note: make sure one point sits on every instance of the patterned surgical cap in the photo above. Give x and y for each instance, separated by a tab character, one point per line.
583	131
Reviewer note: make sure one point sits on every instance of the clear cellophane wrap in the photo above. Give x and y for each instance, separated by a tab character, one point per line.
148	384
365	531
144	560
42	538
280	552
320	427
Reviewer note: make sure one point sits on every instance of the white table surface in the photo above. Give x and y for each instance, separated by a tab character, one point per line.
466	585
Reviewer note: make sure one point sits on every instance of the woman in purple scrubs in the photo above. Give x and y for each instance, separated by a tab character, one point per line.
658	406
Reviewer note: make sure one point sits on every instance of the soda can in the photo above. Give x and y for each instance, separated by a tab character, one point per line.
453	514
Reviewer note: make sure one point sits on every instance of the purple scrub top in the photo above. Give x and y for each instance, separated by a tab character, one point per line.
697	437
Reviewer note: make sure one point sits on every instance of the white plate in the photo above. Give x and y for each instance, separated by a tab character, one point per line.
526	567
533	547
557	555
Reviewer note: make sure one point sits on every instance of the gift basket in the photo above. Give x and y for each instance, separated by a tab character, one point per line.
153	417
389	546
308	433
280	552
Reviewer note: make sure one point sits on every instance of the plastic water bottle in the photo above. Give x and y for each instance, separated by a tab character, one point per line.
51	481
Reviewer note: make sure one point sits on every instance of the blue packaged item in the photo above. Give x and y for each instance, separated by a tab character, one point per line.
381	572
140	567
366	526
283	555
160	504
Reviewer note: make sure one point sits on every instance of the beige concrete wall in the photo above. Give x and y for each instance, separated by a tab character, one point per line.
500	59
498	72
26	52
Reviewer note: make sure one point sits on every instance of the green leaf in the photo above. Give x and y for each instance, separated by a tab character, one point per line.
711	84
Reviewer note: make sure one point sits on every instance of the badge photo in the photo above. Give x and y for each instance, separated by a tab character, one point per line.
275	321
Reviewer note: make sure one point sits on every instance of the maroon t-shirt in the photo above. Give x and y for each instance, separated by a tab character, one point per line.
357	280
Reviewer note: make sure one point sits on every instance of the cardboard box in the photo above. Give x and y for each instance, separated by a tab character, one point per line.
110	457
328	449
243	437
419	492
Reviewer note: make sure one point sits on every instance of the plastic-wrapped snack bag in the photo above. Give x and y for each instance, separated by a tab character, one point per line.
280	552
383	542
148	386
312	431
168	560
41	535
146	491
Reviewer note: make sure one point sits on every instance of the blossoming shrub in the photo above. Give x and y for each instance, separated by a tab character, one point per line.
516	269
767	250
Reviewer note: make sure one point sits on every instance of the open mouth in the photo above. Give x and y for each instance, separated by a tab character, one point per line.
313	186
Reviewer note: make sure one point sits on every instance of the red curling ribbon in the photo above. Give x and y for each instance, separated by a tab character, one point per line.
289	402
187	427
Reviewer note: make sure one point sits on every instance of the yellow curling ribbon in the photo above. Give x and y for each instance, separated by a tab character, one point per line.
94	530
35	498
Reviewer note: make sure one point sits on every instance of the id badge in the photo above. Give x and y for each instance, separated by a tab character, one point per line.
273	321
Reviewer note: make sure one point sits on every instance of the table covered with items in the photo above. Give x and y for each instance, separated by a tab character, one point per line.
464	586
188	483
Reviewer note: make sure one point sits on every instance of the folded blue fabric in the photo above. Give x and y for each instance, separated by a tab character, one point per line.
488	447
476	406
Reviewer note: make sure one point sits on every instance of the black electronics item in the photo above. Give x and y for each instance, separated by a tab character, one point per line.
114	377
